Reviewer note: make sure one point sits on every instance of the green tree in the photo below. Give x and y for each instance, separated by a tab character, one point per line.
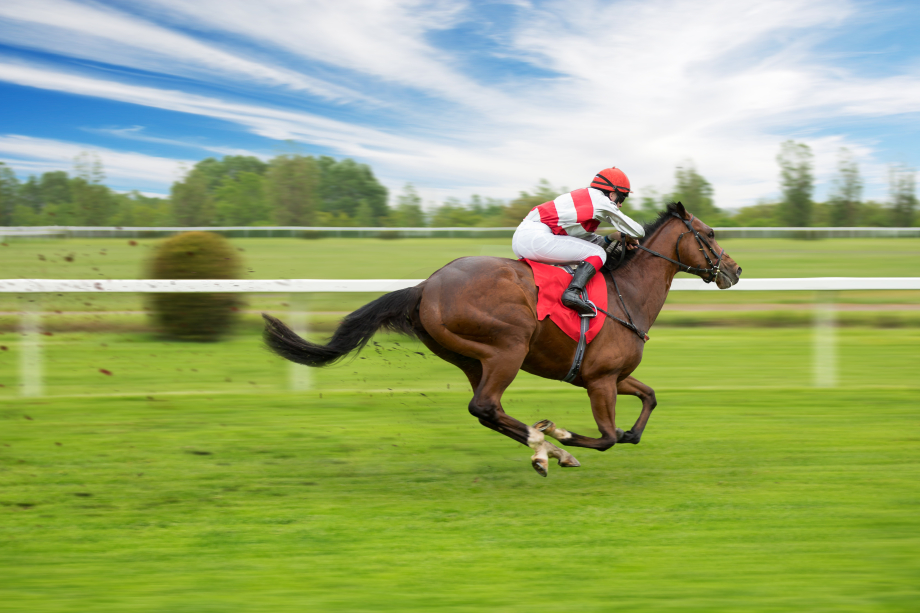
846	196
761	215
408	212
136	209
92	203
40	197
9	187
696	194
30	197
192	203
518	208
292	185
55	188
240	200
364	215
231	166
490	211
453	214
226	191
797	183
902	186
874	214
344	184
644	208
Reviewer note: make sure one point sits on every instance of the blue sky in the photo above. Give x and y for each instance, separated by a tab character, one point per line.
464	97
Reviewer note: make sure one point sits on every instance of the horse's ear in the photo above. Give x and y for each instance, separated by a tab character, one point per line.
677	208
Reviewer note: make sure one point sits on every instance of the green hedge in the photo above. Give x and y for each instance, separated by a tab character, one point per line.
195	317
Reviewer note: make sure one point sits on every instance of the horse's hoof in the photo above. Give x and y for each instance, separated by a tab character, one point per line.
621	435
630	437
544	424
569	462
541	466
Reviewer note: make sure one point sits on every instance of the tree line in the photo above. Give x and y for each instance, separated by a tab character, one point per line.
296	190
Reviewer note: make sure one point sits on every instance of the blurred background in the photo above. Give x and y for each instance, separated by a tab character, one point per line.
154	457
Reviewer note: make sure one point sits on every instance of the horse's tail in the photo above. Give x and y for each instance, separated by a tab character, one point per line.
392	311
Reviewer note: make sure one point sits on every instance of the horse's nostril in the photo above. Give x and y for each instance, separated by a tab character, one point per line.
739	271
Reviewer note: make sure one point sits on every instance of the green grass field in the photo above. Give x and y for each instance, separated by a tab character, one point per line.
171	477
694	358
282	258
166	487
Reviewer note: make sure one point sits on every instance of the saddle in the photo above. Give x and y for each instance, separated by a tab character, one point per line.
551	281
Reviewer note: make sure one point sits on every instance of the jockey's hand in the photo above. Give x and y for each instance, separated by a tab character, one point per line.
630	242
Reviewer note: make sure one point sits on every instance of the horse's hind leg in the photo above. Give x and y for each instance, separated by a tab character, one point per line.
497	375
486	406
633	387
471	367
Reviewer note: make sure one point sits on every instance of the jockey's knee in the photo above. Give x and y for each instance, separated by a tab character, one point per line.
597	261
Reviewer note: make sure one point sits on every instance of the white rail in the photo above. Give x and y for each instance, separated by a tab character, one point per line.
264	286
31	368
376	232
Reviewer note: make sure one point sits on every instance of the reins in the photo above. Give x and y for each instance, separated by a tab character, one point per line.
712	273
629	324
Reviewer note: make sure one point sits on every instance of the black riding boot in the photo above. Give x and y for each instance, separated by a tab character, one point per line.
574	297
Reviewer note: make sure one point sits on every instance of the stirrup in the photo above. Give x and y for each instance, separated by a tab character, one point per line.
593	308
583	299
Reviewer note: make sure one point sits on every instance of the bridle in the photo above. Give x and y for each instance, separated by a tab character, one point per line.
712	273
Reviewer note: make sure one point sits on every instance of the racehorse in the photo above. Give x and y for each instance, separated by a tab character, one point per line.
480	314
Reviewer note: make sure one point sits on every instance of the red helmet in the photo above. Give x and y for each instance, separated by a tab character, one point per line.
611	179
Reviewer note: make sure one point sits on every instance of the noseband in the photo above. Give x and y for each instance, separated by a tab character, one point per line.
712	273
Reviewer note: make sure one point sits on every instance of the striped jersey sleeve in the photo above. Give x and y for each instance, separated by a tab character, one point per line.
577	213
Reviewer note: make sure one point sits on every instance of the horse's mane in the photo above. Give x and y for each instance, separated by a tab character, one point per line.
652	227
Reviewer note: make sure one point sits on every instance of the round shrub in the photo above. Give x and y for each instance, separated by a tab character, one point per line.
194	316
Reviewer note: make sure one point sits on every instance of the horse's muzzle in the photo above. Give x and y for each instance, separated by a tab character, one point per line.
729	273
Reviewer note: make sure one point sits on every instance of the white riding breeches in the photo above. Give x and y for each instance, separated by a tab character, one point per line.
535	241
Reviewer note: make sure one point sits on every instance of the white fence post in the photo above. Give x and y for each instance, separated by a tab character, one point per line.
300	377
30	348
825	340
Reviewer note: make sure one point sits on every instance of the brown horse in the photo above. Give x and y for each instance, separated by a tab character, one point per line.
480	314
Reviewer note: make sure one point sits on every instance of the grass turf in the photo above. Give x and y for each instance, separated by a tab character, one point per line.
749	492
711	358
773	501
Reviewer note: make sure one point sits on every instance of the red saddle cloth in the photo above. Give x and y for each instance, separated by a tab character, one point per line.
551	282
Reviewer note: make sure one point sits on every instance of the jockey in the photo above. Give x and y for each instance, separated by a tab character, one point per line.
562	231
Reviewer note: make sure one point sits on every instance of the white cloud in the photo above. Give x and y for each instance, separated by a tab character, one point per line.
103	34
138	133
38	155
452	163
382	39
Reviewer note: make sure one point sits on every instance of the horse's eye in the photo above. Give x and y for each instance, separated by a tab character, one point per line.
712	234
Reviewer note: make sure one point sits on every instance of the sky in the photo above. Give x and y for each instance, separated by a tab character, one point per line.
462	98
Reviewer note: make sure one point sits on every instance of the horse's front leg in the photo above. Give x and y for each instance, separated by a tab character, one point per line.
633	387
603	395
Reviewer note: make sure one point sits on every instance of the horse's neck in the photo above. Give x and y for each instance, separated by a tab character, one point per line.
645	284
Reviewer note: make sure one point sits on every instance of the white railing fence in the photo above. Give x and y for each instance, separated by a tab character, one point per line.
374	232
31	367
